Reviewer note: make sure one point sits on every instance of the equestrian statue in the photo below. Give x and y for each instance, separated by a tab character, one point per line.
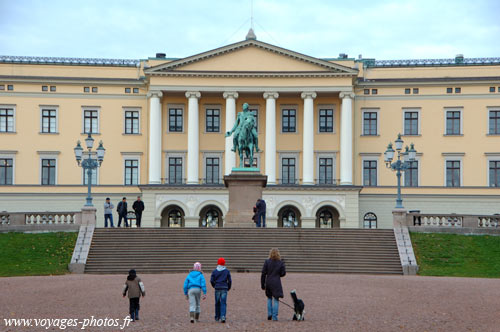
245	138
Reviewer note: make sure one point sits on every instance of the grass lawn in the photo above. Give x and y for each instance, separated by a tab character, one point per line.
457	255
25	254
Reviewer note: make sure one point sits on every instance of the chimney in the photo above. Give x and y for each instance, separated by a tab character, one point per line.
160	55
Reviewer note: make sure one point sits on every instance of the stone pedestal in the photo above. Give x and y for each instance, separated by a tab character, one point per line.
245	187
399	218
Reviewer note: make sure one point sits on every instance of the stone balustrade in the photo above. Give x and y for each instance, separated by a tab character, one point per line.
413	219
33	221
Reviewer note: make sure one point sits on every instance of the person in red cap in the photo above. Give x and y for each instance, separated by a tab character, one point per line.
221	281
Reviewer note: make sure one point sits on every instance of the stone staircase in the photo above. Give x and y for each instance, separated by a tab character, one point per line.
161	250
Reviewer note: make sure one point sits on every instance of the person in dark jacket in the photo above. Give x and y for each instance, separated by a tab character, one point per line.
221	281
135	289
270	280
261	213
138	207
122	212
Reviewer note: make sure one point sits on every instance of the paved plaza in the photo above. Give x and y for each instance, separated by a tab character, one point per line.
334	302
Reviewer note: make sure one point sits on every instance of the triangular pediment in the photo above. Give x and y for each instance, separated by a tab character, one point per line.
251	57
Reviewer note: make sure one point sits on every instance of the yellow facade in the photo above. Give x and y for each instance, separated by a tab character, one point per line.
252	68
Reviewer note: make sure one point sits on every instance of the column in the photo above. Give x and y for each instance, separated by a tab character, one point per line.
308	139
270	148
155	136
193	138
346	138
230	156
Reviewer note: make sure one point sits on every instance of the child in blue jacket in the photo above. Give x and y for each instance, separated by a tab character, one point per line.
193	286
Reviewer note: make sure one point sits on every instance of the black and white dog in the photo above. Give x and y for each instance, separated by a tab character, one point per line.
298	307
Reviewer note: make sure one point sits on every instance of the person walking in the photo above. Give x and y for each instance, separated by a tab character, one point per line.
221	282
135	289
138	207
270	281
122	212
108	213
193	286
261	213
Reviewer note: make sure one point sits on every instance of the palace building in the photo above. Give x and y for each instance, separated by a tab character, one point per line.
323	126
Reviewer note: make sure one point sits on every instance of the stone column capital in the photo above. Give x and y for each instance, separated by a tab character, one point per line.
305	95
155	93
230	94
347	95
193	94
273	95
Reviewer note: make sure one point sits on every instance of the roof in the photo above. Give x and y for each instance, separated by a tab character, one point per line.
69	61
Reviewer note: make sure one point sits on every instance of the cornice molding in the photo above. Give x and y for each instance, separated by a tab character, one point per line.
309	74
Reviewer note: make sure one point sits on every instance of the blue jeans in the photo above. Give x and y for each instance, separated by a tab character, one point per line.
272	308
110	217
120	217
220	304
261	219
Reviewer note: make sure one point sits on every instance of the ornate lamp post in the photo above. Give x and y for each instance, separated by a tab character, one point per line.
89	164
402	163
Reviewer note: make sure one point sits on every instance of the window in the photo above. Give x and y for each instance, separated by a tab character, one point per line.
415	91
453	122
212	170
449	90
411	123
411	174
288	120
94	89
212	123
370	220
45	88
136	90
48	171
175	120
458	90
288	171
369	172
370	123
6	171
492	89
91	121
366	91
127	90
325	170
49	120
453	173
6	120
326	120
86	89
494	121
374	91
131	122
131	172
93	177
10	87
407	91
494	176
52	88
2	87
175	170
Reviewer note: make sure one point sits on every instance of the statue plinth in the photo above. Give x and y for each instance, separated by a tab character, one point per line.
245	187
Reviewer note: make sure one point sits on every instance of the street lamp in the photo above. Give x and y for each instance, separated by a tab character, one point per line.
407	156
89	164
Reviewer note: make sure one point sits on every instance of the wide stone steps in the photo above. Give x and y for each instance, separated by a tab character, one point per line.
163	250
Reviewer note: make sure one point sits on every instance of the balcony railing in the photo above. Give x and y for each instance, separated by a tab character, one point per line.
40	218
452	220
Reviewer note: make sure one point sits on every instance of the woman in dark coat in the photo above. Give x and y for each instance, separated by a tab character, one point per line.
270	280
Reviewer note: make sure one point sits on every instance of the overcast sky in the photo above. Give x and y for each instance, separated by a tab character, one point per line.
392	29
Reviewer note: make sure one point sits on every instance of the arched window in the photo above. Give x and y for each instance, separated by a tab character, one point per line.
327	217
211	217
370	220
289	217
172	216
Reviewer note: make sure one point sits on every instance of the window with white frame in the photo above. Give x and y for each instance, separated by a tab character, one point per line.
6	119
48	166
411	174
325	168
212	120
175	170
494	121
325	120
6	170
411	122
93	177
288	120
369	172
175	119
131	171
91	121
288	169
370	122
131	121
453	121
494	173
212	169
49	120
453	172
